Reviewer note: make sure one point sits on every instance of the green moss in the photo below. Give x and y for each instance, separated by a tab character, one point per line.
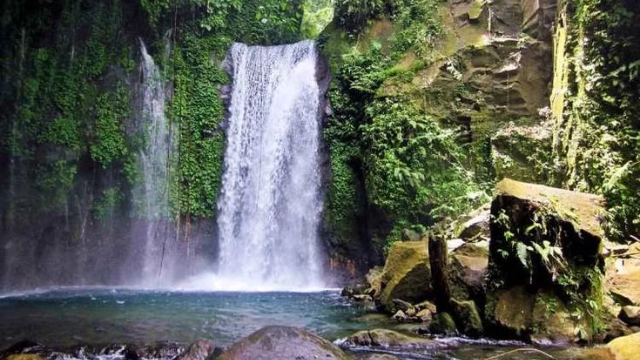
110	144
595	105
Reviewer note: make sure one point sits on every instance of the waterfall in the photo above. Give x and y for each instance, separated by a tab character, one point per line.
152	196
270	204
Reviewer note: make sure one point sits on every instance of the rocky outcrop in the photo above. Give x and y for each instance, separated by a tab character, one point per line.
518	151
406	274
545	258
281	342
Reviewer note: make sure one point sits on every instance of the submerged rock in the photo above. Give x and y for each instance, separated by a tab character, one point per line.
406	274
282	342
388	339
377	357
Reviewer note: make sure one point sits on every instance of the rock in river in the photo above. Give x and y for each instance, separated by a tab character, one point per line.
282	342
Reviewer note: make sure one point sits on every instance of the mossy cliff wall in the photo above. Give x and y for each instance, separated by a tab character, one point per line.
422	90
595	107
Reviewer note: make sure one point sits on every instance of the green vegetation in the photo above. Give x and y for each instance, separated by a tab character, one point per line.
598	144
409	166
197	111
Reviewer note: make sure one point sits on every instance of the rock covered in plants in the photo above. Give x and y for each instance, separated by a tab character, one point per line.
545	277
539	316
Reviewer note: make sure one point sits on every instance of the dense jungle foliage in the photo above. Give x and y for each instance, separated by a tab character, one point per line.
70	71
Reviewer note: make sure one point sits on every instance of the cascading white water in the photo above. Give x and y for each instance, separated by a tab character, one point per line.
153	196
270	204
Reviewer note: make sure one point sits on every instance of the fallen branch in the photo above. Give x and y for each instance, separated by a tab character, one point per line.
517	350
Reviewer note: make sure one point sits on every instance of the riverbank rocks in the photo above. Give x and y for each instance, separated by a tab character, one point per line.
626	347
539	316
467	318
630	315
387	339
468	266
199	350
406	274
545	260
24	357
282	342
623	276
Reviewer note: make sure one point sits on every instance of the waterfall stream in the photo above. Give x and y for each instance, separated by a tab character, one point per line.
152	196
270	205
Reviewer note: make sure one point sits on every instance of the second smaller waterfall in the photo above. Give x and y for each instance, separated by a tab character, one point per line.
153	193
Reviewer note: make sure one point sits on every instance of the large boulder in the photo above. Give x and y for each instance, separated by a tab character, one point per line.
545	261
539	316
626	347
282	342
406	274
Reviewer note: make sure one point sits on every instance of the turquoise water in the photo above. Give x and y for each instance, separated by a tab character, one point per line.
98	317
103	316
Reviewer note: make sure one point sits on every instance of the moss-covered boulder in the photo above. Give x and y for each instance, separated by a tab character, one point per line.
282	342
467	318
443	324
406	274
539	316
545	266
388	339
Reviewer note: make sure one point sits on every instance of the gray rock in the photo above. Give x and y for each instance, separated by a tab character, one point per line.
388	339
199	350
283	342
